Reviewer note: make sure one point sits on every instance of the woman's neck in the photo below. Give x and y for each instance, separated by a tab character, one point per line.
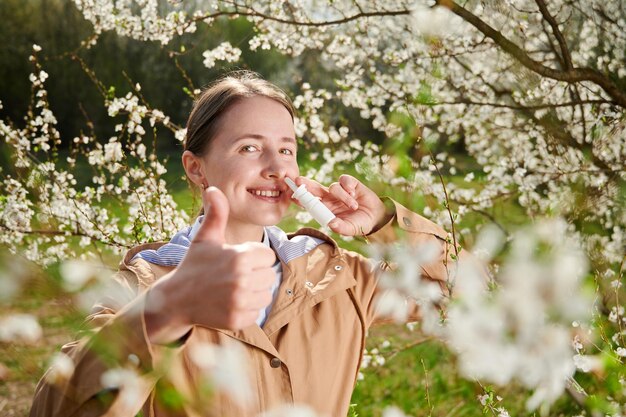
241	233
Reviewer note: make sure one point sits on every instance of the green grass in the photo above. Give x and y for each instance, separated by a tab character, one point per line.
43	297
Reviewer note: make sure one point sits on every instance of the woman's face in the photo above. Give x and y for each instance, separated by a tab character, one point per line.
248	159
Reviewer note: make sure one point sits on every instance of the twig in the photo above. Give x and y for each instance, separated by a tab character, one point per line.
565	54
578	394
430	407
447	206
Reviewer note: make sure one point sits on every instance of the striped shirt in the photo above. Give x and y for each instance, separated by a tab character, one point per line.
173	252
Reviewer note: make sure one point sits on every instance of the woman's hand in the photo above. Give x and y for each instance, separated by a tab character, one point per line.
216	285
358	209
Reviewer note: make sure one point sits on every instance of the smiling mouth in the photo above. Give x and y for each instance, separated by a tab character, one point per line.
272	196
265	193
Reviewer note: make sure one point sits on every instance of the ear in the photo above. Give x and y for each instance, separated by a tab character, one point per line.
193	168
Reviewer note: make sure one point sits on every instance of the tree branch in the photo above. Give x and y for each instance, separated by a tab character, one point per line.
45	232
520	107
565	54
571	76
253	13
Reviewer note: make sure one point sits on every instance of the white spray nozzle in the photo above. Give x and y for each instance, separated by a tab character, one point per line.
312	204
291	184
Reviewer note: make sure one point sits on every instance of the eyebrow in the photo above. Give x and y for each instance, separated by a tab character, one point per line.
261	137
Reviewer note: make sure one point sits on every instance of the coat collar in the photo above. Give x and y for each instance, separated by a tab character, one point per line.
308	280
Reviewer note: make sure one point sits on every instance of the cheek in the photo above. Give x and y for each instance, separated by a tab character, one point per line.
220	173
294	169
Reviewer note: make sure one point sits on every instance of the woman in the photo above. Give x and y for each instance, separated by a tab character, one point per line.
298	306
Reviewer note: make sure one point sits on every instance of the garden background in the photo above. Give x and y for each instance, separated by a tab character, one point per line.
502	121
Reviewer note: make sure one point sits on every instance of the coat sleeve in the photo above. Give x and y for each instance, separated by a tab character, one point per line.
408	228
117	339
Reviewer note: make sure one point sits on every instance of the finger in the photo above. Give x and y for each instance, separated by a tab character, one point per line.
256	255
344	227
337	191
349	183
216	209
312	186
295	201
261	280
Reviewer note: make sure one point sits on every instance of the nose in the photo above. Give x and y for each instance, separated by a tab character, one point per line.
275	168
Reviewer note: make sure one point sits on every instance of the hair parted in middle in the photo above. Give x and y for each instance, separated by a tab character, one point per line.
218	97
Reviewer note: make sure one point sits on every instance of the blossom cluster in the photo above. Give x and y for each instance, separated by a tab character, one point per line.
223	52
44	210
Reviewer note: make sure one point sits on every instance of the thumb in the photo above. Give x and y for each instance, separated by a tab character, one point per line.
216	210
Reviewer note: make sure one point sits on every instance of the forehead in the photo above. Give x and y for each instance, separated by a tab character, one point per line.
257	115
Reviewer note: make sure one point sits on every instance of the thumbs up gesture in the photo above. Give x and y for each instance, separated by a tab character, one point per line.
216	285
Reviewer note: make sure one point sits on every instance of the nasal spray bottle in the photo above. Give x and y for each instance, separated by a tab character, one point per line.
312	204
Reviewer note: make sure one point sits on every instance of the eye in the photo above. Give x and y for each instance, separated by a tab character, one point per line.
248	149
287	151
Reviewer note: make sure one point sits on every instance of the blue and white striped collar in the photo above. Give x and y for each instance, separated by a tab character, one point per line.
173	252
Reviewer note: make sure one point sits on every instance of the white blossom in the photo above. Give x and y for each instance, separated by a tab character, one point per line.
20	328
61	369
223	52
393	411
521	330
225	368
127	381
290	411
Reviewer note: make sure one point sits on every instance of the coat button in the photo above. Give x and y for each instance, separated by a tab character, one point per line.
406	221
275	363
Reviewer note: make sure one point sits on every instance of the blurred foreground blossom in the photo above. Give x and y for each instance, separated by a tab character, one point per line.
20	327
91	284
403	283
126	381
489	243
522	329
14	272
291	411
393	411
61	369
224	367
588	363
76	274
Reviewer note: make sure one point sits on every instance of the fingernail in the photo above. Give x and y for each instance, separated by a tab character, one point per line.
354	205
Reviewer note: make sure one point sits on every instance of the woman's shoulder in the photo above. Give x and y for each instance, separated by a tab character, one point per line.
143	271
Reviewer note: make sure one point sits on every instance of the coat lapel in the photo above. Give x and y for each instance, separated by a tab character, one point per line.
307	281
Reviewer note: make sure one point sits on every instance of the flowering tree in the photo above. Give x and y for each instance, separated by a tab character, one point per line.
477	106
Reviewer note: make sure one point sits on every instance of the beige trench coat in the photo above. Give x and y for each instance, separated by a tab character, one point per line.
308	351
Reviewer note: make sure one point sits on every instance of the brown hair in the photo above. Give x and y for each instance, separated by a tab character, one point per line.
218	97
